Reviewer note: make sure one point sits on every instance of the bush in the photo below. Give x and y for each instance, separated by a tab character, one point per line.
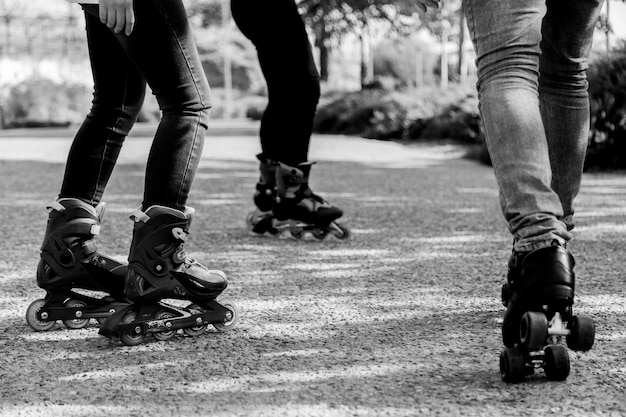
40	102
409	115
607	92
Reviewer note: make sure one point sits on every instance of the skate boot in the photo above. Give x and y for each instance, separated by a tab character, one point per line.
539	295
159	270
261	219
70	261
298	210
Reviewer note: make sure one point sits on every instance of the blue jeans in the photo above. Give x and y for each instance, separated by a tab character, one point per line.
532	85
161	52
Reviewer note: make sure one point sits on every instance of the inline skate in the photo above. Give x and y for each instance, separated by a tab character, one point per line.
70	261
159	270
539	295
295	208
261	219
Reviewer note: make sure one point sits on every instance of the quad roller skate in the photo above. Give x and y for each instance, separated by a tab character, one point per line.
539	295
286	204
158	270
70	260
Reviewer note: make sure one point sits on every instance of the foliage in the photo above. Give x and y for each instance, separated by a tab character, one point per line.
607	91
419	114
41	102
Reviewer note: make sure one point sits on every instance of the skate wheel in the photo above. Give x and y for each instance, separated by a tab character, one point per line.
296	232
165	335
582	334
231	319
556	363
533	330
506	295
196	330
340	231
32	318
319	234
76	323
512	365
127	338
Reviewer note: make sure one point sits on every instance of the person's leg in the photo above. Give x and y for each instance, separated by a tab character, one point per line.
163	50
278	33
119	91
69	255
567	36
507	35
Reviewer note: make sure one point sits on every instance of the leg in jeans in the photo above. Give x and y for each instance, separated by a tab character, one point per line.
163	51
567	35
538	166
119	90
507	35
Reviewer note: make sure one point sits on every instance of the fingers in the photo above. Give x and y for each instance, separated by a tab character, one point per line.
130	21
117	17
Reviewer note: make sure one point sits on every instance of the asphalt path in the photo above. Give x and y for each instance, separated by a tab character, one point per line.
403	319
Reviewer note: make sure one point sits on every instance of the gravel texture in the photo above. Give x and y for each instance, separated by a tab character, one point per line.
401	320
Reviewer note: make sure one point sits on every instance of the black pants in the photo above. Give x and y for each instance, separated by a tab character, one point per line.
277	31
161	52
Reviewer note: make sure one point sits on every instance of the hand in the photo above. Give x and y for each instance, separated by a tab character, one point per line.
118	15
424	4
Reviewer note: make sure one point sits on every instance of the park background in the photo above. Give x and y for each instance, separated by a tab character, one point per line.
403	319
388	72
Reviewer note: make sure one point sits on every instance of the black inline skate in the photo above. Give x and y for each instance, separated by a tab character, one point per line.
159	270
539	295
294	207
261	219
70	261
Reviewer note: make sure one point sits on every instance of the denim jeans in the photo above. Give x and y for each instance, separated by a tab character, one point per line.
161	52
532	85
278	33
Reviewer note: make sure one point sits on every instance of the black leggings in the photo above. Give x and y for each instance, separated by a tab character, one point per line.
277	31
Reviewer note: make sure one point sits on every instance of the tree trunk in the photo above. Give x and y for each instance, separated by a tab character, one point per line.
443	82
461	72
321	42
366	67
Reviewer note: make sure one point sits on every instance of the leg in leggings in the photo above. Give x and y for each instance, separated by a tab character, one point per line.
283	197
278	33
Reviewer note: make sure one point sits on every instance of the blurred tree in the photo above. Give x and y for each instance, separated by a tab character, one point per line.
331	19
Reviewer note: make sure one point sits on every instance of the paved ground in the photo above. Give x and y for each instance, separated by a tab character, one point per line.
401	320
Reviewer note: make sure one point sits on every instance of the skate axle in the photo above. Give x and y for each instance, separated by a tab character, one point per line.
557	327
